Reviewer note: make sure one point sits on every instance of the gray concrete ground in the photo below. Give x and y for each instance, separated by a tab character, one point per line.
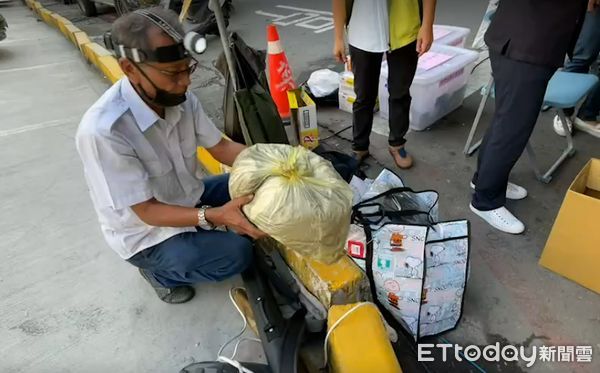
69	304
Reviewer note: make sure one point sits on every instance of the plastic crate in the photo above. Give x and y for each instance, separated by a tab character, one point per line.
436	91
450	35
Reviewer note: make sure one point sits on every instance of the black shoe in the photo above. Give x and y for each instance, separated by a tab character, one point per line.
176	295
360	155
216	367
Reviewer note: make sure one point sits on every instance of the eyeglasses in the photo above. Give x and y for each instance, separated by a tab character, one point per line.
173	74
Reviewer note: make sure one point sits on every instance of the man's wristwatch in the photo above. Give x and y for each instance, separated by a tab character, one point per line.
202	222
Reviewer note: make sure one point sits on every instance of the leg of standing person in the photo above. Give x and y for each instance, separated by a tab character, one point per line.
366	67
402	66
585	54
520	90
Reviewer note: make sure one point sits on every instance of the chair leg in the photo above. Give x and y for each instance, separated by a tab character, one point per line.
469	150
568	152
533	162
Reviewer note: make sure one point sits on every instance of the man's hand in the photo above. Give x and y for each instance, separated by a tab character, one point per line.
339	29
231	216
339	50
424	40
593	5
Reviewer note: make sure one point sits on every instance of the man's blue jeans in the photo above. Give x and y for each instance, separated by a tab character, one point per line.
193	257
586	52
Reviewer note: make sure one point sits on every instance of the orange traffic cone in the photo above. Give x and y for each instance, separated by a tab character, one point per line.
281	78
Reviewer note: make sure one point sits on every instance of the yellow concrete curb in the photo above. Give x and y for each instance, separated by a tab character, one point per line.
61	22
70	30
46	16
93	51
81	39
110	67
50	19
36	7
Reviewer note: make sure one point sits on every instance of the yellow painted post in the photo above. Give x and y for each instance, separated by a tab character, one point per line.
211	165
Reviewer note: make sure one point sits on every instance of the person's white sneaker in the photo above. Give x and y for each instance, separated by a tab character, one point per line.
558	126
501	219
513	191
593	128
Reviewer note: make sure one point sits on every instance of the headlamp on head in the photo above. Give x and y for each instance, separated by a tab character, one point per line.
192	42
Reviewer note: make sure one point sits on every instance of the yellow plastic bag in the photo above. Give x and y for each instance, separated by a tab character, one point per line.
299	198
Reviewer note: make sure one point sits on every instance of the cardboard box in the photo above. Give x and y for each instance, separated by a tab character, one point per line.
347	83
347	78
304	118
347	90
346	101
573	248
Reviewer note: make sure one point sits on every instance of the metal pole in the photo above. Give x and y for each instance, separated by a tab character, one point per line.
215	6
468	148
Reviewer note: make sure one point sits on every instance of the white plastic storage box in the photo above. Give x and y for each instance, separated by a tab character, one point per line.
439	85
450	35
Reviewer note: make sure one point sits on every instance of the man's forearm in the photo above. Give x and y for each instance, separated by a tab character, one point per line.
234	149
159	214
226	151
429	12
339	18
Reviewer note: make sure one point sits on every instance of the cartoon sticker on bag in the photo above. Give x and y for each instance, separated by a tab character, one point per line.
441	312
435	255
357	242
385	263
393	300
448	253
356	249
391	285
411	267
397	241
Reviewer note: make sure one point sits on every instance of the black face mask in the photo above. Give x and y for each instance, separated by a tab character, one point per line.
162	97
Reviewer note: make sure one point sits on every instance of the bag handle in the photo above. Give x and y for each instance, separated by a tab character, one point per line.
382	213
385	194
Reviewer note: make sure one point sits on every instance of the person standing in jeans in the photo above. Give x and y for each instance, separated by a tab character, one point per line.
585	54
528	41
375	27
